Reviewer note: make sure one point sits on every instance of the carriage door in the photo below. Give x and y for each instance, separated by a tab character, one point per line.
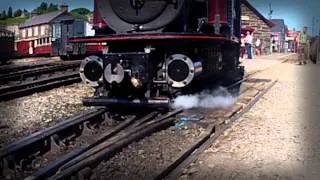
31	47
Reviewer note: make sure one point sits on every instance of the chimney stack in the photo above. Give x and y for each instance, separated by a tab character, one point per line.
64	7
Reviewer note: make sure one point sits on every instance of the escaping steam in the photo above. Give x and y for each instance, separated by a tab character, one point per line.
219	98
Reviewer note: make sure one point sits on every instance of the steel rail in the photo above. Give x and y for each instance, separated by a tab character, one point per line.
106	145
175	169
37	71
10	92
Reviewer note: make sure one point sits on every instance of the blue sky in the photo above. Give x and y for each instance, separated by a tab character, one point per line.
296	13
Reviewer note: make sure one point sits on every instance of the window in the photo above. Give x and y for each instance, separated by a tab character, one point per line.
23	33
36	31
29	32
56	31
43	30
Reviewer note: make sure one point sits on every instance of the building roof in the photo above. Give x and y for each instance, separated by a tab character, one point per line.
42	19
269	23
279	25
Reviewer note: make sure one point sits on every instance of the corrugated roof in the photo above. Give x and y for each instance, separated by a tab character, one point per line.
279	25
42	19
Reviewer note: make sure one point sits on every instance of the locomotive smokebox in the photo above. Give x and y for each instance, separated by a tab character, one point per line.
139	15
181	70
91	70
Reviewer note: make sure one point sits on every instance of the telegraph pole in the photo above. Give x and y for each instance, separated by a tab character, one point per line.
270	11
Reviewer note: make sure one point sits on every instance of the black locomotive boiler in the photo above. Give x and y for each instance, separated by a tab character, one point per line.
158	49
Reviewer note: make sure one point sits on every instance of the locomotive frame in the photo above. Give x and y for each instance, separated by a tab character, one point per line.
150	63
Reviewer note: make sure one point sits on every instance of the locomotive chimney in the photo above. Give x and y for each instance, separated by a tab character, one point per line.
64	7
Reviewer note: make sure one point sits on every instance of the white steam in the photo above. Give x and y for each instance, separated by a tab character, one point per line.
219	98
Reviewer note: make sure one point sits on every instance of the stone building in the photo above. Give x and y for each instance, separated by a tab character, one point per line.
253	20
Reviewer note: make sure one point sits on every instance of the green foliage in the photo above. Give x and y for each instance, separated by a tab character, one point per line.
44	8
17	13
15	20
10	12
81	13
3	15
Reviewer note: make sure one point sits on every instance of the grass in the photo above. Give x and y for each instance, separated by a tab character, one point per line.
15	20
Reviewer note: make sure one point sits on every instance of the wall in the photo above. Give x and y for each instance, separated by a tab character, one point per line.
263	31
89	29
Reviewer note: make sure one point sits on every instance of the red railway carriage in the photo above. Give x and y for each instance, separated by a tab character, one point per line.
160	49
6	45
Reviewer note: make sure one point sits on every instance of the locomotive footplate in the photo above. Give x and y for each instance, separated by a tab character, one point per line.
117	102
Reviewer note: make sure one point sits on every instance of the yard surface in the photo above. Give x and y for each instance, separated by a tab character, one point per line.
278	138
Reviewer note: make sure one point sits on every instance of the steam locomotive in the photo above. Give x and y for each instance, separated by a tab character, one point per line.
159	49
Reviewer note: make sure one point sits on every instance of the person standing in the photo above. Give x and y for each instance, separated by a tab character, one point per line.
303	46
258	47
249	40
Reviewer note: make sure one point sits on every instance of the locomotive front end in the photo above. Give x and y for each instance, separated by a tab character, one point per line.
158	50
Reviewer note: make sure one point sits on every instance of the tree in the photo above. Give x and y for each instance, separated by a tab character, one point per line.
43	6
52	8
10	12
17	13
81	13
3	15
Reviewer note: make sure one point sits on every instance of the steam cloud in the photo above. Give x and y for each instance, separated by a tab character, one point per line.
219	98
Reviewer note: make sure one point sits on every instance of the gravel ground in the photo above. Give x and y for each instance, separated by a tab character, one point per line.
147	158
277	139
25	115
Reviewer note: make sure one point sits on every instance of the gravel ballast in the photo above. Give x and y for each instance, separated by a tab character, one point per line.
276	139
22	116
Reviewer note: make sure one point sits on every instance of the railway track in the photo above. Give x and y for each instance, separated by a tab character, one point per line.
28	81
4	69
76	146
35	71
63	144
178	166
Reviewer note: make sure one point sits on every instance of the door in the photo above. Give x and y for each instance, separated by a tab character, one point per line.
31	47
